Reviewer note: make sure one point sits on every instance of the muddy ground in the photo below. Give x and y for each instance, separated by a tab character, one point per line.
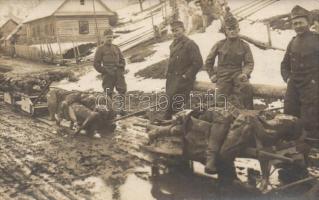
39	163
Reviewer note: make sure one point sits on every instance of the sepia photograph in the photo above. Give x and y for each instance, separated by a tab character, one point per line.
159	99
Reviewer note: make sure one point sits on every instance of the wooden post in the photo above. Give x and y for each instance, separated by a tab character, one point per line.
269	34
75	54
165	9
41	53
77	49
96	27
74	48
163	14
152	15
46	42
60	50
51	52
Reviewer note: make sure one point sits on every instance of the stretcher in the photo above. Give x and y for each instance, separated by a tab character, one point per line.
33	105
279	156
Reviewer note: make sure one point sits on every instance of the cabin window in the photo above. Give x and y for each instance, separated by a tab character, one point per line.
84	27
82	2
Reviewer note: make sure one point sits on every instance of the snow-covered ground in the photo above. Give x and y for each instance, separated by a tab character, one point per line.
267	62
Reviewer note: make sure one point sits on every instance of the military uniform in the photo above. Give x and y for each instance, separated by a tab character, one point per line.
185	59
234	58
110	62
299	69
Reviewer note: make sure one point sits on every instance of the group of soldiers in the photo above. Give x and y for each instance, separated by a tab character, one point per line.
299	70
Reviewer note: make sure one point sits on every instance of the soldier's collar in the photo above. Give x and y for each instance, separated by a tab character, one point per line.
304	34
232	39
182	38
108	45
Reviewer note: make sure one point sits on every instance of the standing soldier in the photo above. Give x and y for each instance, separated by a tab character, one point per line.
184	62
235	64
299	70
110	62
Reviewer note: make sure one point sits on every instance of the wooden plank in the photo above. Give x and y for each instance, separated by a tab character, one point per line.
166	152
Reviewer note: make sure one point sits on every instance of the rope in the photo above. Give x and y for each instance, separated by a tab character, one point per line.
250	6
245	5
258	9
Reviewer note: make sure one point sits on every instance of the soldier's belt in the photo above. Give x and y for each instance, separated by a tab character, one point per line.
175	73
238	67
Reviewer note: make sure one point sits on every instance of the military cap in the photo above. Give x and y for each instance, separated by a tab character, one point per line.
176	24
231	22
108	31
299	11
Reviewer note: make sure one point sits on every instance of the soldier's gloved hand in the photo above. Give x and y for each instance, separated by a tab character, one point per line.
213	79
243	77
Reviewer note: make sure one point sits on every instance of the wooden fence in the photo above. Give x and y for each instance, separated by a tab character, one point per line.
28	52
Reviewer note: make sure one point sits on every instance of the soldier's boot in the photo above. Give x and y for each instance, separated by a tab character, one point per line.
247	97
198	125
211	154
218	133
210	167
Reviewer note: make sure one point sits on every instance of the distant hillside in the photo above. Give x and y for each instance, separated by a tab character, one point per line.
16	8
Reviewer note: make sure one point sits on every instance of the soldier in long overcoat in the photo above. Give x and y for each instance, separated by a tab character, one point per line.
299	70
184	62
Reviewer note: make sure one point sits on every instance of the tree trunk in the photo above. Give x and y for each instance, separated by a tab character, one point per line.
259	90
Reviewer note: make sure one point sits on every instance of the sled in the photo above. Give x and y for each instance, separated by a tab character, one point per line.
279	156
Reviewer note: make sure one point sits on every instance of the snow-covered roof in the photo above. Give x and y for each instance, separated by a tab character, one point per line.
47	8
14	31
2	23
44	9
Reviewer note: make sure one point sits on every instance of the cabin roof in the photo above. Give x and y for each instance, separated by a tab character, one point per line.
48	8
4	22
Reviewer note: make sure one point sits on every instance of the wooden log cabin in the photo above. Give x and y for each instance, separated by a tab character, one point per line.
67	21
7	27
